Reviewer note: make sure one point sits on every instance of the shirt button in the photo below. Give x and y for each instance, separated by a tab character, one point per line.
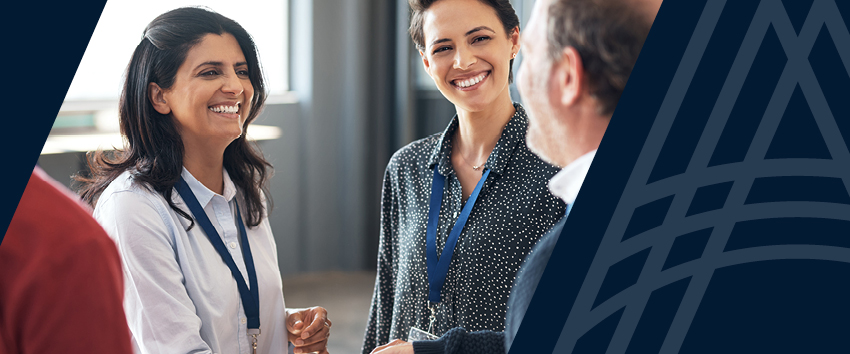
233	245
455	215
244	321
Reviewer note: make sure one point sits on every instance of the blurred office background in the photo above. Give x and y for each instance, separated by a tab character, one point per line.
347	89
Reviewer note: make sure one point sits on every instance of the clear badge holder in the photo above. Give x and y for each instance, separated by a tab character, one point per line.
417	334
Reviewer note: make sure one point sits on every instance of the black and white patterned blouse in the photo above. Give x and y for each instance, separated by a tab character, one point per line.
514	209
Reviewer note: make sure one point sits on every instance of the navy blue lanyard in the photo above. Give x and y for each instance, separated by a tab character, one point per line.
250	297
438	268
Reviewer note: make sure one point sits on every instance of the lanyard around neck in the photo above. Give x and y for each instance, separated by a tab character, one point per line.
250	297
438	267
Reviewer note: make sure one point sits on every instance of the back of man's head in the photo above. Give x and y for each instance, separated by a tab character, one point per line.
607	34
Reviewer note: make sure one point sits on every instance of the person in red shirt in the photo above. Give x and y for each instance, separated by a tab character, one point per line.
61	287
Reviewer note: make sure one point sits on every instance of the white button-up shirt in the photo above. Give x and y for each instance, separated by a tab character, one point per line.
180	297
567	183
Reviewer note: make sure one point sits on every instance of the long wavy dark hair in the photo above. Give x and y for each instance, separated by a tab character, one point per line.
153	152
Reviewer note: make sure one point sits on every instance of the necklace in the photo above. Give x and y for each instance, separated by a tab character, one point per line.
474	168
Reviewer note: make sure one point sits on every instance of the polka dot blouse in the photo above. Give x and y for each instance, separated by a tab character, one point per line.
514	209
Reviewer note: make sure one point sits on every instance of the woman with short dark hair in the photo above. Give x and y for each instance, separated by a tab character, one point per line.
460	209
184	199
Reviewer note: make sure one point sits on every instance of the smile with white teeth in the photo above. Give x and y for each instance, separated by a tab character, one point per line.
471	81
225	109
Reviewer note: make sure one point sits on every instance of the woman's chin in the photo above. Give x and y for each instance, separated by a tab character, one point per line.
474	104
235	136
226	138
474	101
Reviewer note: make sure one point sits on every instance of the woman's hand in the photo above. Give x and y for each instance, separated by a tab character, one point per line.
309	329
397	346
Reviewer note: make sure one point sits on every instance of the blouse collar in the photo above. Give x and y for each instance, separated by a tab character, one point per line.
204	194
512	135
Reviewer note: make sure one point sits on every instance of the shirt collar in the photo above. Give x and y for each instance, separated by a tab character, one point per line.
566	184
204	194
512	135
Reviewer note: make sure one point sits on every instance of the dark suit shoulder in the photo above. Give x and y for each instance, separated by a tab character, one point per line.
527	278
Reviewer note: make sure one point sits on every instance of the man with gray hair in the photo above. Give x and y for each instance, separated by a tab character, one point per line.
577	58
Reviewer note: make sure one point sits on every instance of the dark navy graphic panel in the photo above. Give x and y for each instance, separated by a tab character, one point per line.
730	233
776	306
44	45
571	258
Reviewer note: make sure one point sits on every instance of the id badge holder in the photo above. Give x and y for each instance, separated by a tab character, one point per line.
417	334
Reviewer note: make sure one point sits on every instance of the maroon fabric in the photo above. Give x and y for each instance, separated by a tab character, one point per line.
61	286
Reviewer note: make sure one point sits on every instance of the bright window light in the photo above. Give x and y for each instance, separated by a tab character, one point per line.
119	30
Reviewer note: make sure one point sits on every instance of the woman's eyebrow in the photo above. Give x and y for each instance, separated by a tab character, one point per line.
218	63
212	63
476	29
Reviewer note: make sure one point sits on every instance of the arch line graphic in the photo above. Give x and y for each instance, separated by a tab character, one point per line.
797	72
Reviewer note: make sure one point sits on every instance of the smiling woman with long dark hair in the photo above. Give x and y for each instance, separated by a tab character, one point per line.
184	198
461	209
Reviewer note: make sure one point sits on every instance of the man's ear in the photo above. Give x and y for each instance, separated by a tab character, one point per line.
425	62
157	98
569	77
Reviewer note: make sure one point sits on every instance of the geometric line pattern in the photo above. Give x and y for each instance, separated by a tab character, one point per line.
797	72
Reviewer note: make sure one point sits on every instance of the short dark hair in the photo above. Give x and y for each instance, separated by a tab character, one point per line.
154	149
608	35
504	10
